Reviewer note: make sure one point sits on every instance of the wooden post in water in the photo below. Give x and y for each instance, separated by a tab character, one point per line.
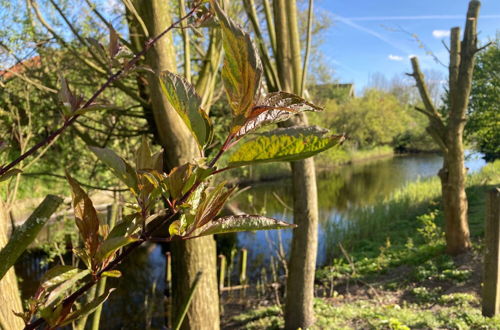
243	271
222	271
168	273
491	284
168	289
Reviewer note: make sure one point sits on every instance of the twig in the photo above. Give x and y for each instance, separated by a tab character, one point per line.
68	122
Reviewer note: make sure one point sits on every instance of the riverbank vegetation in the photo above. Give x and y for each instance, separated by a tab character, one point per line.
388	269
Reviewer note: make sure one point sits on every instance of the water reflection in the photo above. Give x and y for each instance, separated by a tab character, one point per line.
339	190
139	297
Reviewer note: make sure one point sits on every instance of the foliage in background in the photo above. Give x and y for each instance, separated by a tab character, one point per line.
377	118
483	126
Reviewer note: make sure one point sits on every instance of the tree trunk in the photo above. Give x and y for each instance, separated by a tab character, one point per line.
299	312
188	257
453	175
10	299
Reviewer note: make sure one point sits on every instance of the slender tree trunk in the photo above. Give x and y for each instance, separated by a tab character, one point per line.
299	312
188	257
10	299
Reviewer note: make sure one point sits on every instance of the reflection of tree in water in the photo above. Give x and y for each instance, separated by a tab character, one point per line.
338	189
142	280
359	185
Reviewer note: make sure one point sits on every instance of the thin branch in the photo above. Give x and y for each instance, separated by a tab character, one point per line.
484	47
62	177
68	122
308	48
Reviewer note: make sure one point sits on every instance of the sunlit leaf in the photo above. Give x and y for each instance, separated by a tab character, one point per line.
120	168
85	216
112	273
184	99
284	144
143	158
236	223
180	179
242	70
84	256
174	228
125	227
212	204
274	108
190	208
111	245
60	290
58	274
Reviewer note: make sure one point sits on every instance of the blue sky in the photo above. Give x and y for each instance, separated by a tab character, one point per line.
367	35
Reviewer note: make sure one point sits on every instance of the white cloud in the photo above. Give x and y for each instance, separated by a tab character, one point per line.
395	57
441	33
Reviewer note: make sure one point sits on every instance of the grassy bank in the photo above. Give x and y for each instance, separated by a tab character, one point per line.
337	157
392	273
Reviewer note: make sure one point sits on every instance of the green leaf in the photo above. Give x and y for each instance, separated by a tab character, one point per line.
60	290
144	160
112	273
180	180
189	209
120	168
184	99
26	234
174	228
9	174
58	274
95	107
246	222
88	308
284	144
124	227
211	204
111	245
274	108
242	69
84	256
86	217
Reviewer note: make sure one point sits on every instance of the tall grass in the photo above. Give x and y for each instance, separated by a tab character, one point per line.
395	218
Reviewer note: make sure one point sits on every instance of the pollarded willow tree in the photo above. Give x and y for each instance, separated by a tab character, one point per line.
189	206
447	130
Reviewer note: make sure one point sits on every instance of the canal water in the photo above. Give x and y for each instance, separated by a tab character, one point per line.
138	301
